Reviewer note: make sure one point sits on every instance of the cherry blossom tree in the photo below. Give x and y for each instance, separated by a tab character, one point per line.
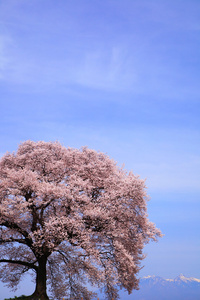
74	218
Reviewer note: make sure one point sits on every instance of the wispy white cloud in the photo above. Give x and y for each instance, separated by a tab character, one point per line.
144	58
106	69
116	68
109	70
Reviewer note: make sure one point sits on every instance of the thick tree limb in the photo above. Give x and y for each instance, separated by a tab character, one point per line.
12	240
20	262
12	225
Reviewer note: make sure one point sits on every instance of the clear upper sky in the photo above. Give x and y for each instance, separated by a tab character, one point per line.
122	77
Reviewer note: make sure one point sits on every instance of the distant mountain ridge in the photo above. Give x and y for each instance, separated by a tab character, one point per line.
179	280
158	288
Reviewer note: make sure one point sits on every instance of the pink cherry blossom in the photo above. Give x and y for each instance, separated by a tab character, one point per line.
74	218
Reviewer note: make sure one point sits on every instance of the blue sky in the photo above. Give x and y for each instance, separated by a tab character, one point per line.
122	77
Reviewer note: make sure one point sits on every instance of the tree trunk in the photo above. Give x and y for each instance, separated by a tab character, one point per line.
41	277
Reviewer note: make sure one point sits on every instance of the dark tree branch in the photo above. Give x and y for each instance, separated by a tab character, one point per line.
12	240
11	225
14	226
20	262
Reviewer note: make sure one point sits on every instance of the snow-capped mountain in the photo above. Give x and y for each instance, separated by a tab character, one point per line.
158	288
179	280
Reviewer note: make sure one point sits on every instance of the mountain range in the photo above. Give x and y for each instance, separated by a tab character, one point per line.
158	288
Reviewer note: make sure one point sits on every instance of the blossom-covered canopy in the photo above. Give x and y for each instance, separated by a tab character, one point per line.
73	217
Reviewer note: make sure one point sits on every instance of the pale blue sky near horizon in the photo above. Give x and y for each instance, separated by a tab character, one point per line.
121	77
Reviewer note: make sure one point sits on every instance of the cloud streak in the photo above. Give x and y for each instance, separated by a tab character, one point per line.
157	59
